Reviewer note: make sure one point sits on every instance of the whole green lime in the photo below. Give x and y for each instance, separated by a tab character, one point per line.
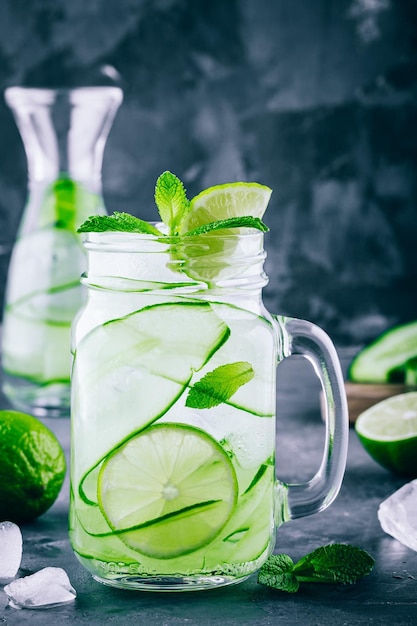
32	467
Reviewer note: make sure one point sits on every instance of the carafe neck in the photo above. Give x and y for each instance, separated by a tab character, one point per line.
64	132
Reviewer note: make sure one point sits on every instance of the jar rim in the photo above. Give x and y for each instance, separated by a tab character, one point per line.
129	241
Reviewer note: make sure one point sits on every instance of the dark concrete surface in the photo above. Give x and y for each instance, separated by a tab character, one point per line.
387	596
317	99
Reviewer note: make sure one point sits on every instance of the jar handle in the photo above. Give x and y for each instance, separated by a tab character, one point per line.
299	337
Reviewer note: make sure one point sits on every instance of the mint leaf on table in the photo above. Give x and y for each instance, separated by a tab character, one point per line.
245	221
335	563
171	200
277	572
120	222
219	385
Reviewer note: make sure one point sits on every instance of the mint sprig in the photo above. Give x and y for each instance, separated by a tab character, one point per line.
173	206
171	200
334	563
219	385
120	222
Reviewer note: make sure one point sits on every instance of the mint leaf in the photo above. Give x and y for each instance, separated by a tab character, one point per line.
123	222
277	572
335	563
245	221
66	203
219	385
171	200
64	192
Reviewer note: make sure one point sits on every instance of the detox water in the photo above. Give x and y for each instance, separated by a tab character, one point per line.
169	480
173	396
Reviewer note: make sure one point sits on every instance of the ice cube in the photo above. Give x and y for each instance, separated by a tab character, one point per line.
398	515
47	588
10	551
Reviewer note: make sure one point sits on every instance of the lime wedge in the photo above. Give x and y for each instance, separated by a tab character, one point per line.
224	201
168	490
388	431
208	257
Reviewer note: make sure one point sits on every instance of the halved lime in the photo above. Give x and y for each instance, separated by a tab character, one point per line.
224	201
168	490
388	431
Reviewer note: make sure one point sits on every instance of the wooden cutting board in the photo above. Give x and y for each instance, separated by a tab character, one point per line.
362	396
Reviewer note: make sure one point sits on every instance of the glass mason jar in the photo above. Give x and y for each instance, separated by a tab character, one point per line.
64	133
173	412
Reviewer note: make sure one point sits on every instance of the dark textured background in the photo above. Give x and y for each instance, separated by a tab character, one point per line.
316	99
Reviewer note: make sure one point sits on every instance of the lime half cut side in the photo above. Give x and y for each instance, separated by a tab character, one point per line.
168	490
224	201
388	431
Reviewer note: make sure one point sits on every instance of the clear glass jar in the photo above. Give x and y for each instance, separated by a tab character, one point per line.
173	413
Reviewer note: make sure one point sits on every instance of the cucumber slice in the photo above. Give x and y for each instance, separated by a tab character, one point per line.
385	359
44	293
36	270
134	368
249	532
251	339
36	350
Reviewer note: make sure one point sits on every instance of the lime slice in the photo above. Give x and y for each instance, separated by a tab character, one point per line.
225	201
208	257
168	490
388	431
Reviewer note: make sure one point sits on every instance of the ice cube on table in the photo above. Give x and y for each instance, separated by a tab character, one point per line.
398	515
45	589
10	551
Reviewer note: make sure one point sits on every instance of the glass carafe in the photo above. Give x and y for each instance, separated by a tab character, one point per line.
64	132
